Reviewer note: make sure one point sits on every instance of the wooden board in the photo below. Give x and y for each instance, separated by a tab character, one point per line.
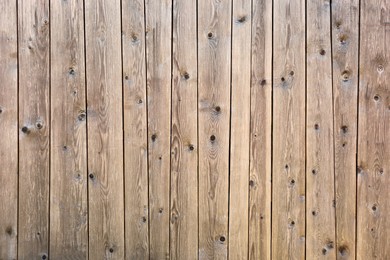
8	130
68	164
158	67
184	139
34	125
240	129
135	130
288	147
260	129
105	132
320	209
373	197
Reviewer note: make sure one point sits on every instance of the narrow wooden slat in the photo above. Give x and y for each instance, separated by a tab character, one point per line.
214	48
105	147
260	132
8	130
184	159
345	39
135	130
288	179
240	124
373	197
158	67
68	164
34	122
320	208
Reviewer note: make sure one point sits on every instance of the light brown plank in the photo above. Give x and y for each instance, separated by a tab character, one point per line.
260	128
68	164
105	135
288	179
135	130
184	139
240	124
158	60
373	197
214	50
320	211
345	39
34	123
8	130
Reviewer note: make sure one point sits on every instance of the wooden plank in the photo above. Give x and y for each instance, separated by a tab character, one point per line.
373	197
158	67
34	123
320	210
68	164
8	130
184	139
214	55
105	135
240	129
288	179
135	130
260	129
345	39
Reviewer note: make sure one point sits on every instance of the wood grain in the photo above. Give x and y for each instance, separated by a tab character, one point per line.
8	130
184	139
105	129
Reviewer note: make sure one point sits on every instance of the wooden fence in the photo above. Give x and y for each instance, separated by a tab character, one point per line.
194	129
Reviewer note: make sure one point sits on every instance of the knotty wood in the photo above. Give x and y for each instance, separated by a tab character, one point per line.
68	164
34	123
158	66
288	181
105	135
240	124
184	139
345	38
320	210
135	130
260	127
8	130
374	132
214	48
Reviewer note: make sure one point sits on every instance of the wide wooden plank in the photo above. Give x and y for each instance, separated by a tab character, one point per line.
214	55
345	39
240	124
68	164
8	130
135	130
288	178
320	208
158	67
184	139
34	124
105	135
373	196
260	132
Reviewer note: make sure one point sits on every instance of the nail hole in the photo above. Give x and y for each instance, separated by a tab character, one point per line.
144	219
376	98
134	38
210	35
65	148
91	176
338	24
344	144
139	101
154	137
380	68
263	82
314	213
212	138
313	171
25	129
330	245
222	239
292	182
291	73
39	125
160	210
316	126
111	250
8	230
82	116
1	110
71	71
324	251
217	109
126	77
343	250
345	75
186	76
242	19
286	166
343	39
374	207
282	79
344	129
191	147
44	256
251	183
322	52
380	171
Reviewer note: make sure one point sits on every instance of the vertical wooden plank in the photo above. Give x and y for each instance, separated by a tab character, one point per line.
288	179
105	147
345	39
214	57
68	164
184	139
320	213
8	130
240	124
158	67
135	130
374	132
34	122
260	129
